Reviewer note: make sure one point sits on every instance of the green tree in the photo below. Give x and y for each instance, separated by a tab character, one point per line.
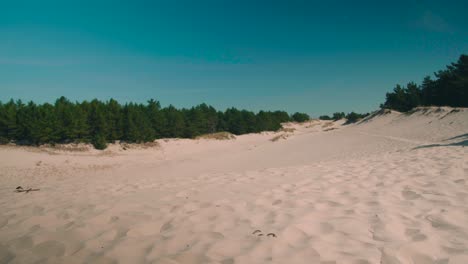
249	119
300	117
325	117
97	119
338	115
8	124
156	117
353	117
429	91
267	122
234	122
100	122
281	116
449	88
99	142
175	122
404	98
114	120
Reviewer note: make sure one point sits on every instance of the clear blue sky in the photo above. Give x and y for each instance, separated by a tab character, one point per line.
310	56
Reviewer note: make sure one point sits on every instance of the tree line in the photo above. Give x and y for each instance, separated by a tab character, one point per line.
351	117
449	88
99	122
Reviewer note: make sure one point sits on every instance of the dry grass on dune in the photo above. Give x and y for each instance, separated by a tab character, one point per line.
74	147
279	137
145	145
287	129
217	136
327	125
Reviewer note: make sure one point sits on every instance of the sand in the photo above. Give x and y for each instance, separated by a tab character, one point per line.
392	188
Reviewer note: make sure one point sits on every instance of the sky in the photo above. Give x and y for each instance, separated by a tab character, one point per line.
317	57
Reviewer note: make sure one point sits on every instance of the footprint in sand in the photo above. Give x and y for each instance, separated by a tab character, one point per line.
49	248
410	195
439	223
5	255
258	232
227	261
166	227
326	228
21	243
455	247
459	181
3	221
277	202
113	219
415	234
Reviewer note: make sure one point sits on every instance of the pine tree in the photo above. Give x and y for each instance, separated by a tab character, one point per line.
175	122
449	88
114	119
97	120
338	115
156	117
300	117
99	142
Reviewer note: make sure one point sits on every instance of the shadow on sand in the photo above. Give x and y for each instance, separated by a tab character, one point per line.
463	141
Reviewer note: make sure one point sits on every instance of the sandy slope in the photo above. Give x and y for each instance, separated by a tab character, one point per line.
391	189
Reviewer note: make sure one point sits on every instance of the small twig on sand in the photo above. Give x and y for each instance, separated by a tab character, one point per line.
256	231
272	234
20	189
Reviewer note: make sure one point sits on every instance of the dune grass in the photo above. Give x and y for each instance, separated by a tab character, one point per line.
217	136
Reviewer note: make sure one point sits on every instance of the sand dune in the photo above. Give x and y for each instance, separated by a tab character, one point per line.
392	188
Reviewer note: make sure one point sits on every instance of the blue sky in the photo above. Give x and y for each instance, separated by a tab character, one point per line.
310	56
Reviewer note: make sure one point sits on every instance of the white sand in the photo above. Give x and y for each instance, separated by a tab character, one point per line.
391	189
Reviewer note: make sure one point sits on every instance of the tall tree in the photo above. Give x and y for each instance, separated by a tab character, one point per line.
157	118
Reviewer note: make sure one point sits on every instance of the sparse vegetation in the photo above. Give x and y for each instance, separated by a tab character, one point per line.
67	147
217	136
328	124
278	137
325	117
353	117
287	129
338	116
145	145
